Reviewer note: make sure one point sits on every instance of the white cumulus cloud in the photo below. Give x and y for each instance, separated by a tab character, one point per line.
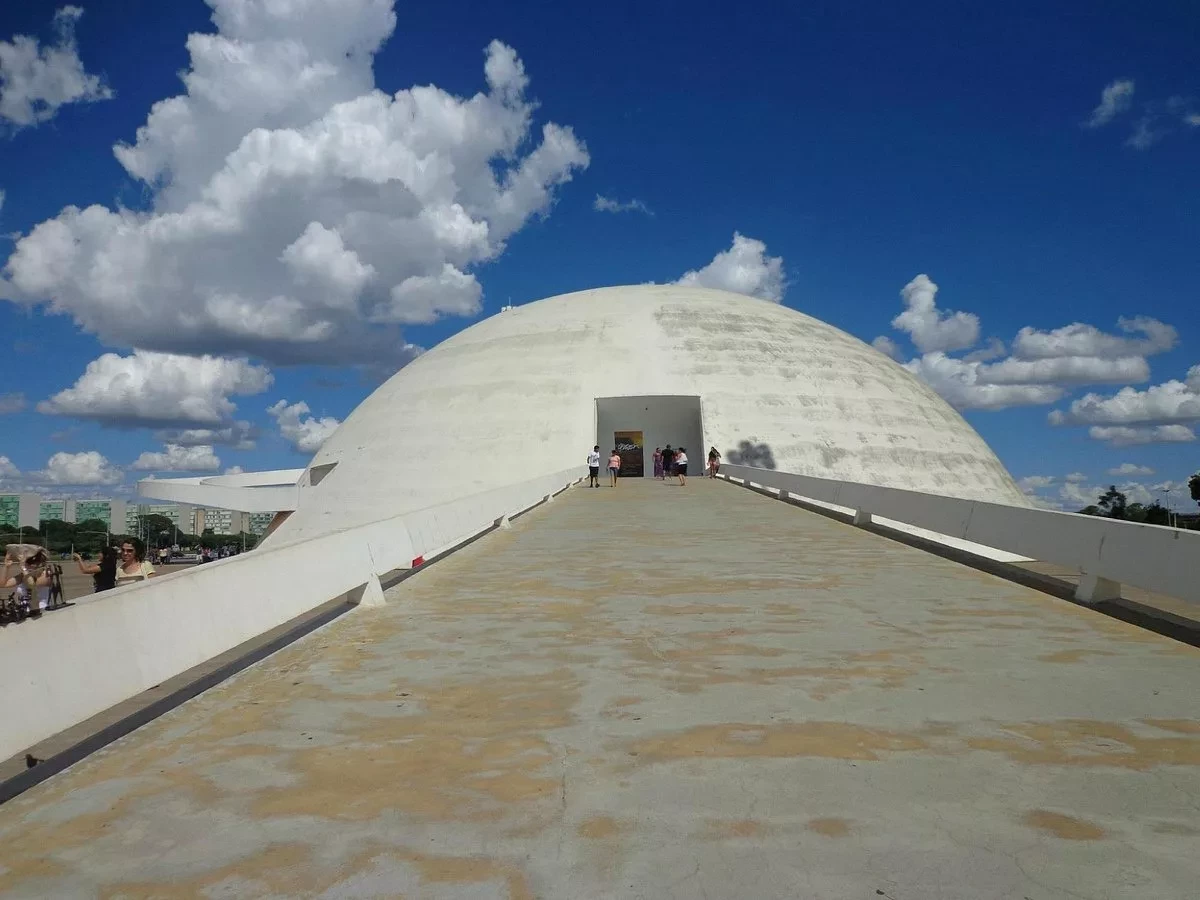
1131	469
960	383
932	329
1079	339
8	468
1124	436
300	214
610	205
36	80
1066	370
78	469
744	268
239	435
1042	366
888	347
1116	98
305	432
1032	483
994	350
147	388
1172	402
177	458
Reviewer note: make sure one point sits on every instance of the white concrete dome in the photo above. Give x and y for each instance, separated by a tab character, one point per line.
514	397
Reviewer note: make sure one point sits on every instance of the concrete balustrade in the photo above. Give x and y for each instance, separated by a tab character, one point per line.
1106	552
82	660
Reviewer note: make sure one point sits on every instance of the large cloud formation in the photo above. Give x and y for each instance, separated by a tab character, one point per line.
299	214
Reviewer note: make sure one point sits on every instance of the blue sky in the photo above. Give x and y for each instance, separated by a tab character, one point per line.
863	144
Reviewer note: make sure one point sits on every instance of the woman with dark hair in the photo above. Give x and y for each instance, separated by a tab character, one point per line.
134	566
104	572
714	462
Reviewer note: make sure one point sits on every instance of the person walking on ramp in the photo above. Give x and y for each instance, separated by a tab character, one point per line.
614	466
594	467
681	462
714	462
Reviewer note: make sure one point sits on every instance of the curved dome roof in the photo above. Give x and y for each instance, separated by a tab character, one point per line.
513	397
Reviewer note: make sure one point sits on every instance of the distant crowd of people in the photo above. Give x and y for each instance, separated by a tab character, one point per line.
669	462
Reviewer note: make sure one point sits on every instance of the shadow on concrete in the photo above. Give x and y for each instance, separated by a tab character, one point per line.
757	456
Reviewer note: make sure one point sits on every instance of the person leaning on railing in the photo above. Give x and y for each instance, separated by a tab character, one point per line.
104	572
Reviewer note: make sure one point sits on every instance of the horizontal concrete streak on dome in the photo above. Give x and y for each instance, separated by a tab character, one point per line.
513	397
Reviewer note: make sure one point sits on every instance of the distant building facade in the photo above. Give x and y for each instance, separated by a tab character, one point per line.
120	516
19	511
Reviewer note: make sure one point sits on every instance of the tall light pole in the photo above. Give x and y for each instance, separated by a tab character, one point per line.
1166	492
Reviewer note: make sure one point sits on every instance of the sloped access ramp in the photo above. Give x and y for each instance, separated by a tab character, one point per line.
663	692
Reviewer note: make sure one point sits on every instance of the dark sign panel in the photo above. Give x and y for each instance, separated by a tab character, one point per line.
629	446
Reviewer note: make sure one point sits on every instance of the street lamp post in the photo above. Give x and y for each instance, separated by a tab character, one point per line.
1166	492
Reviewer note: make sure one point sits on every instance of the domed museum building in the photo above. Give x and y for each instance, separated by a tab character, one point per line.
531	389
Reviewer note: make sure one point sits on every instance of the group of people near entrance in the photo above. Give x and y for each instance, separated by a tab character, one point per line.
668	461
671	461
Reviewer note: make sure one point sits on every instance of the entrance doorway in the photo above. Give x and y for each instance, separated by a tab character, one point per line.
629	445
657	420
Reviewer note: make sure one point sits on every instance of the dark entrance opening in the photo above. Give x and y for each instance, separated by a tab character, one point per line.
659	419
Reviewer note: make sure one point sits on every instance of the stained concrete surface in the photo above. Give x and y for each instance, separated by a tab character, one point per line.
657	691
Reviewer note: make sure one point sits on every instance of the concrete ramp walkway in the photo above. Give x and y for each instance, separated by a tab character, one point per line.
658	692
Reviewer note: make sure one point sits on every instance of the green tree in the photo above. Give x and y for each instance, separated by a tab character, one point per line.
1156	514
59	535
1113	503
156	530
1194	487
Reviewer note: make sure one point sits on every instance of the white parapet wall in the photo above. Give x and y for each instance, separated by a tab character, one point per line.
1105	552
77	662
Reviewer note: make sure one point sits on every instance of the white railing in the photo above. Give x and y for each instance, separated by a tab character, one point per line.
82	660
1105	552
